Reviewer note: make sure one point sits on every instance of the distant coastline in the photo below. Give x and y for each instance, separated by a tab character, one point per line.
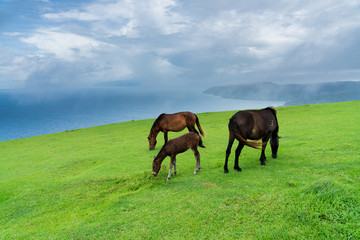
28	114
291	94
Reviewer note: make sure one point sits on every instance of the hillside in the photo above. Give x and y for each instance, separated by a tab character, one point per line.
291	94
96	183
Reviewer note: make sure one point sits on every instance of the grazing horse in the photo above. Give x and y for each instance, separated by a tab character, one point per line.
175	146
175	123
254	125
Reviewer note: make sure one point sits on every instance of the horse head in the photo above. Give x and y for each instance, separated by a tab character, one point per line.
156	167
152	142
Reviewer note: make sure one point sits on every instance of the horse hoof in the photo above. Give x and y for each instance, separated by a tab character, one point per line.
237	168
226	171
274	155
263	163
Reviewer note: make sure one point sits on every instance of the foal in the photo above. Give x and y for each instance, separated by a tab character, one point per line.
175	146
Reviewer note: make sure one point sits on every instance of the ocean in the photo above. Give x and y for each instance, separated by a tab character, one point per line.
27	114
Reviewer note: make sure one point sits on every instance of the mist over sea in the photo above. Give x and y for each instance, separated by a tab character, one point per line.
27	114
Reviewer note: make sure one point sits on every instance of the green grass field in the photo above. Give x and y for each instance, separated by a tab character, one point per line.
96	183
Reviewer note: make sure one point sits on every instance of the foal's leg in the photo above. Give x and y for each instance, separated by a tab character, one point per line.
237	154
175	167
262	156
197	157
228	151
172	160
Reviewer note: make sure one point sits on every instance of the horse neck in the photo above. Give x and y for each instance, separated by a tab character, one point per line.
273	111
154	131
161	156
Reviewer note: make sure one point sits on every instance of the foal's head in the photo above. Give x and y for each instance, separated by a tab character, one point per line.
152	143
156	167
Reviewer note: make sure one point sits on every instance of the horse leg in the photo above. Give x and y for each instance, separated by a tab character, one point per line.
197	157
228	151
192	128
237	154
262	156
165	136
175	171
172	160
274	142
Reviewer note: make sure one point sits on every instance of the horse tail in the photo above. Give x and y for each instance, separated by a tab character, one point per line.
234	129
201	142
199	127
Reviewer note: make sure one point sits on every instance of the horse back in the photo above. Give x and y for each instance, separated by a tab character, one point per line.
244	121
255	124
268	118
177	121
182	143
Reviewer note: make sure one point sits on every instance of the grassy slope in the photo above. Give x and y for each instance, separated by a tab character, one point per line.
97	183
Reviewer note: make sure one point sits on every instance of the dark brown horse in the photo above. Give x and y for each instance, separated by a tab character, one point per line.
175	123
253	125
175	146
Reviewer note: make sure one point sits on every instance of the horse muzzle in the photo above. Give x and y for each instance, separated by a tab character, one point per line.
151	148
154	173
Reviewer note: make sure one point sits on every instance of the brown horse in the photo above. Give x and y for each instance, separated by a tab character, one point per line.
253	125
175	123
175	146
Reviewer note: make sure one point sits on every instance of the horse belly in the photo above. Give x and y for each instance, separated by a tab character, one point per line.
181	149
176	125
253	135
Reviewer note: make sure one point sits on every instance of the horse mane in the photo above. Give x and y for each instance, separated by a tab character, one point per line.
272	109
161	155
161	116
162	148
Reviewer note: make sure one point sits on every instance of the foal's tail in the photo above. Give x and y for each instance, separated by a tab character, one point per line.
234	129
199	127
201	144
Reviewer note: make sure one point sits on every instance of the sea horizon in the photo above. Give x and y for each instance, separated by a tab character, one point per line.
27	114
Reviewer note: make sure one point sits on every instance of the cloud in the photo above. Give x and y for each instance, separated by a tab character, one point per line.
15	70
266	40
168	42
14	34
129	17
165	67
72	14
67	46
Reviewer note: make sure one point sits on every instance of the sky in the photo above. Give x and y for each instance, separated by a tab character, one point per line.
179	44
